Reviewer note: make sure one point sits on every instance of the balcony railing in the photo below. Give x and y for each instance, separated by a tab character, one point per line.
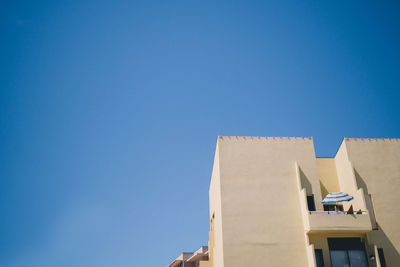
337	212
338	221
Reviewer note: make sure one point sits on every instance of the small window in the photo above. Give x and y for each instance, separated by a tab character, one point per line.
381	257
319	258
311	203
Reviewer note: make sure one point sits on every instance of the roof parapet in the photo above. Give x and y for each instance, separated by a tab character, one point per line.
271	138
373	139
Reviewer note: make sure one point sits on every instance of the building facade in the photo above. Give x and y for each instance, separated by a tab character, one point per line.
265	204
191	259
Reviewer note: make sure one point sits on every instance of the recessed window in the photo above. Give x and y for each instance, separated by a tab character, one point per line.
381	257
319	258
311	203
347	252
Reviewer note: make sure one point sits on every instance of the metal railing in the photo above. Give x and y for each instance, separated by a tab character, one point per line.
337	212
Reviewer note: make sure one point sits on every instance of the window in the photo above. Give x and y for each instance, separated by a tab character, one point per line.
311	203
319	258
339	258
381	257
347	252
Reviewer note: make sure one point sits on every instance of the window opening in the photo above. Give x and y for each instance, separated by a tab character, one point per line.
311	202
347	252
381	257
319	258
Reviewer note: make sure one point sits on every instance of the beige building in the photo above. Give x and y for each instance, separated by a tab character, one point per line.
190	259
265	203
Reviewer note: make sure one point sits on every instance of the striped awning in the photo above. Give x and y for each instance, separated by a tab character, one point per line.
336	197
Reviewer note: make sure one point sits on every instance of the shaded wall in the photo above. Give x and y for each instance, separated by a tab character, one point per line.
327	175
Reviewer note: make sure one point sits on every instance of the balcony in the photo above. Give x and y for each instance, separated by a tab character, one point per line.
337	222
333	222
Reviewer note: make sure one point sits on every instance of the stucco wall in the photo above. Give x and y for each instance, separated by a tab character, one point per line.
261	215
216	247
347	179
376	165
327	175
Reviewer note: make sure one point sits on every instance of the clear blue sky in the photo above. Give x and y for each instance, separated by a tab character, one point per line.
109	112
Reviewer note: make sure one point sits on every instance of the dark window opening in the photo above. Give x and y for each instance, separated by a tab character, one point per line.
311	203
319	258
381	257
347	252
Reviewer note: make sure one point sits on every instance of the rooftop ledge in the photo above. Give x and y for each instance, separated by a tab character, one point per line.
269	138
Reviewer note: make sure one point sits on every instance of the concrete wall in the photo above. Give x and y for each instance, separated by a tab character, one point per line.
216	241
376	164
261	216
347	179
327	176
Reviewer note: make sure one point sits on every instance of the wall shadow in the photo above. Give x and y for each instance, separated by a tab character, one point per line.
378	235
305	183
360	182
324	191
391	254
